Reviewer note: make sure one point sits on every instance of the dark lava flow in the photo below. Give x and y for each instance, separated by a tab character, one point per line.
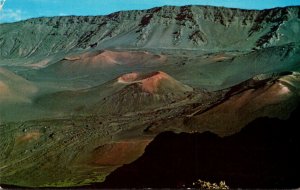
265	154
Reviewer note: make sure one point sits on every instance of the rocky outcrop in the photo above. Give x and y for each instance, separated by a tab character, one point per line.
189	27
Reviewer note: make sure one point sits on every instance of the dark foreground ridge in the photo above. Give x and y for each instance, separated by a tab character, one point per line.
265	154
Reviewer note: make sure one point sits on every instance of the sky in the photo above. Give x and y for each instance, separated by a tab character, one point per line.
16	10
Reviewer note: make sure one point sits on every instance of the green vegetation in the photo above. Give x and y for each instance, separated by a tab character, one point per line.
208	185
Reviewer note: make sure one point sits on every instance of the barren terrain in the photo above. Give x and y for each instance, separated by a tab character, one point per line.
82	96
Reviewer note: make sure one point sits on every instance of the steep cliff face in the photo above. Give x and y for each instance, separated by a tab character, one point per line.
168	27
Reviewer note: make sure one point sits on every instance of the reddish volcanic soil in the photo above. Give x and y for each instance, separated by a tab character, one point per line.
119	153
274	100
154	82
110	58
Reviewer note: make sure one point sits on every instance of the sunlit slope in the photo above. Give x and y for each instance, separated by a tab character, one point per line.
14	88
